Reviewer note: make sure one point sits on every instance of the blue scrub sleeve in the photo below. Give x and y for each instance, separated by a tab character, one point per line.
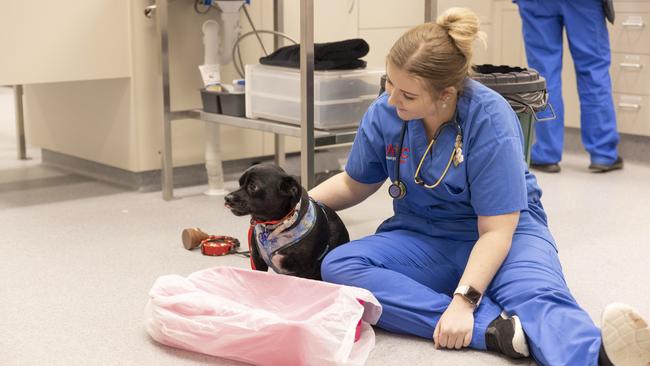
496	176
367	159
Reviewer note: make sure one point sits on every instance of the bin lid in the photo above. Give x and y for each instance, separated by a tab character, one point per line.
509	79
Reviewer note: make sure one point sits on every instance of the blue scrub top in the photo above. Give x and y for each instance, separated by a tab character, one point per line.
493	179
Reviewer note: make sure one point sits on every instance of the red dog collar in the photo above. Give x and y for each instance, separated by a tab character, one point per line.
219	245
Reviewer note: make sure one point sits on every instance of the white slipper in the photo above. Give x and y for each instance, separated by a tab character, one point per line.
626	336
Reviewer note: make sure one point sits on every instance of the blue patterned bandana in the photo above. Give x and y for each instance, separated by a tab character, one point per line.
271	238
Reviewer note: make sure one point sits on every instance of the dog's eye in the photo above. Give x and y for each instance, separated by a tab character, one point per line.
252	187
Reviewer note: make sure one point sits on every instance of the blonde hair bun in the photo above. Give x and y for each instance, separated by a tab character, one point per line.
462	25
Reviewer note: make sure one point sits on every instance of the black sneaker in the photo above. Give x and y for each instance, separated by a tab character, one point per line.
626	337
546	168
604	168
505	335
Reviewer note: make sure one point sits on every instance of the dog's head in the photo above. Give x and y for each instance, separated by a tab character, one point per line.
266	192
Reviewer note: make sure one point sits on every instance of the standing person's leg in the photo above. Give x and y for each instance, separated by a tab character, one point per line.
530	284
589	45
413	277
542	29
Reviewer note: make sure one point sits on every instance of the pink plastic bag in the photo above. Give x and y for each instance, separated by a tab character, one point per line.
262	318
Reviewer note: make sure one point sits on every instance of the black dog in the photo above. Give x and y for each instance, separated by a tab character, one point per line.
289	231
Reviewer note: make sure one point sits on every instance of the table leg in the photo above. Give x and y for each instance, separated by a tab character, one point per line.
20	122
280	155
213	161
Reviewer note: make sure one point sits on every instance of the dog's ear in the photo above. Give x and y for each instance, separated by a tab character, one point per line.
290	186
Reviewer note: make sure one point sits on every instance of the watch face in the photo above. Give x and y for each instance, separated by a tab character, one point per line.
473	295
470	294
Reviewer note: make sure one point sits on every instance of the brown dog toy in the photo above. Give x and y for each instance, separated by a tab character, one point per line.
192	238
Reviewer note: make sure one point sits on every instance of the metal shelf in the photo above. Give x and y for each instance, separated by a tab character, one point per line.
321	137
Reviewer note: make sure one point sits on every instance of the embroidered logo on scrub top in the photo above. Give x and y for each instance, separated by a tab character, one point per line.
391	153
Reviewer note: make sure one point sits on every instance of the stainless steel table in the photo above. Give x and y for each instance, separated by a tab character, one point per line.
306	133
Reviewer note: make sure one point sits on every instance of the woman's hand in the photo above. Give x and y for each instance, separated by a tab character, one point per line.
455	327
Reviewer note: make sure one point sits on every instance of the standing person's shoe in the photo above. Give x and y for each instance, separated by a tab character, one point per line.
626	337
604	168
505	335
546	168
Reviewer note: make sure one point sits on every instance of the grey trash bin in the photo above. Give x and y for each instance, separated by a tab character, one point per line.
524	89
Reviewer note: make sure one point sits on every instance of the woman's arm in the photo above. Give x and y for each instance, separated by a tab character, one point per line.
491	249
454	330
341	191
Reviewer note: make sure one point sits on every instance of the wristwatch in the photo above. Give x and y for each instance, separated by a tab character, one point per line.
469	293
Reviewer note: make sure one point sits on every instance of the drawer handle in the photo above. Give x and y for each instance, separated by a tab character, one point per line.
636	24
627	65
630	106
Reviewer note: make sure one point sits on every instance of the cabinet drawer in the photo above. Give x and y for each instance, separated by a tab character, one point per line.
631	73
631	33
632	113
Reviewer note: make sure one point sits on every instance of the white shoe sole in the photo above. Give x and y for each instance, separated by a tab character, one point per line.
626	336
519	340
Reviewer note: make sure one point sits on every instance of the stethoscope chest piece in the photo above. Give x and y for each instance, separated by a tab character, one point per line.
397	190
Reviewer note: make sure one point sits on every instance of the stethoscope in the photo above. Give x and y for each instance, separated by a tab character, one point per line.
397	189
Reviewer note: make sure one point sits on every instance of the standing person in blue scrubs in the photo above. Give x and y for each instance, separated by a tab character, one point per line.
584	20
467	260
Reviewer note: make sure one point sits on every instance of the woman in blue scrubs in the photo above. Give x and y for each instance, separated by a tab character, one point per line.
467	259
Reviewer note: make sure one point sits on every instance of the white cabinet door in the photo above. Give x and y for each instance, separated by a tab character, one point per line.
64	40
334	20
380	41
390	13
507	39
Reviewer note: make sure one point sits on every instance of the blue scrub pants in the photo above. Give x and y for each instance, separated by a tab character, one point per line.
584	20
414	276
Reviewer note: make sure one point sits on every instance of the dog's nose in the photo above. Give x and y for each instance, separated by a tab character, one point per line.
230	198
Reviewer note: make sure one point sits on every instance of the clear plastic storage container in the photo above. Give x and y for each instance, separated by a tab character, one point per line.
340	97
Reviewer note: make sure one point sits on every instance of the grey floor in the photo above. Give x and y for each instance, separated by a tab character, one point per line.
79	256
